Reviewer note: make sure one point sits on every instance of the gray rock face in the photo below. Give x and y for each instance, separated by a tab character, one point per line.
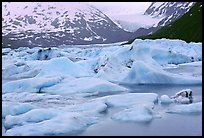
54	24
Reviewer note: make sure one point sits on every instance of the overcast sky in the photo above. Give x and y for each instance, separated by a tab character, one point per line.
133	7
109	8
118	7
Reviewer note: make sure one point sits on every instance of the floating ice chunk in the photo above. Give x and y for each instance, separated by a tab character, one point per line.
62	66
182	100
143	73
30	84
84	85
183	96
165	99
40	100
65	123
186	108
147	56
58	121
137	113
183	93
112	69
126	100
93	106
35	116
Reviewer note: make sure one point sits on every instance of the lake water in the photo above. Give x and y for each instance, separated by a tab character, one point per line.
168	125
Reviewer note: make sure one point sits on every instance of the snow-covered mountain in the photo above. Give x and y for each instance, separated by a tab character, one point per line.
165	13
168	11
153	14
127	15
52	24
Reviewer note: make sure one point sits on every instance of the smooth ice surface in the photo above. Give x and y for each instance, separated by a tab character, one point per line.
84	85
186	108
126	100
137	113
165	99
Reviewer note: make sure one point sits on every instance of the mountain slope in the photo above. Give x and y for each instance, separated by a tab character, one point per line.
165	12
188	27
168	11
57	23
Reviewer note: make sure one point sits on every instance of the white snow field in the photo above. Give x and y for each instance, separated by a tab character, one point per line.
65	90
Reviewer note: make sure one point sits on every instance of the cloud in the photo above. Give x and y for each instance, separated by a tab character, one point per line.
115	7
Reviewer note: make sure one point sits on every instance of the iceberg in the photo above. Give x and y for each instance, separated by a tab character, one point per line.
32	116
84	85
138	113
129	99
62	66
142	61
63	124
58	121
30	85
145	73
193	108
64	90
165	99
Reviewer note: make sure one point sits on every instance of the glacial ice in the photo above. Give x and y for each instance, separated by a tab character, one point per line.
65	123
193	108
138	113
62	66
145	73
165	99
35	115
58	121
70	90
84	85
126	100
15	109
30	84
